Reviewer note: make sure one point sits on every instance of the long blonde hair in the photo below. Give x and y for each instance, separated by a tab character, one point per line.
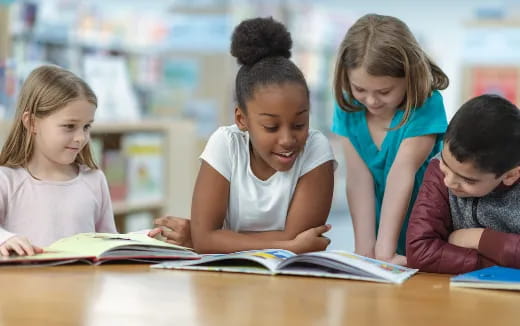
385	46
46	90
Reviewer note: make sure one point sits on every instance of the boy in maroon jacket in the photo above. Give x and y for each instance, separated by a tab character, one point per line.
467	213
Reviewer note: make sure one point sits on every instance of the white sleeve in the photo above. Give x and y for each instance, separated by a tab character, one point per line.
317	151
105	220
4	190
218	152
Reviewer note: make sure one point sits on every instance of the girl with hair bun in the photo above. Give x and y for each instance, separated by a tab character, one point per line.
267	180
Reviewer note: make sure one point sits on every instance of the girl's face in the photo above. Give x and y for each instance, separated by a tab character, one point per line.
60	136
277	119
381	95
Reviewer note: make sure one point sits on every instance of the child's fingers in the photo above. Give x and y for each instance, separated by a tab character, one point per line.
153	232
174	236
37	250
173	242
322	229
4	251
17	248
27	248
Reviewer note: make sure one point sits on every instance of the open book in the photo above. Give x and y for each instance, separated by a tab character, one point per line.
96	248
495	277
334	264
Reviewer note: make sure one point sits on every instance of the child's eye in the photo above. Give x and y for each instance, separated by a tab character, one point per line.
299	126
87	127
270	129
359	90
68	126
384	92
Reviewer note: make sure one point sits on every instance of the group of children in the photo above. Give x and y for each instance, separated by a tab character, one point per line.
442	198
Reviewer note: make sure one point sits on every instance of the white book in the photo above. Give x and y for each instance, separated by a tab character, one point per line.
331	264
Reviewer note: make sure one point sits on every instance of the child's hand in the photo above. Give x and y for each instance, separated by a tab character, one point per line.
466	238
397	260
19	245
311	240
367	253
176	230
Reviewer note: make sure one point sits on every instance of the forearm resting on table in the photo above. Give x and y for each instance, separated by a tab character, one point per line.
226	241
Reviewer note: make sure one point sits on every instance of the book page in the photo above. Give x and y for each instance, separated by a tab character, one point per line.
342	262
252	261
95	244
45	258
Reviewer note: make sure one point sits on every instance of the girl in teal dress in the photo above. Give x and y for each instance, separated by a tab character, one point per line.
392	119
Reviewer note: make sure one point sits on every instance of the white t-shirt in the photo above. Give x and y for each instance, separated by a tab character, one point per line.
254	204
45	211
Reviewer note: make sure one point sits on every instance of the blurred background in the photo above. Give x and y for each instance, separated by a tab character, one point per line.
163	75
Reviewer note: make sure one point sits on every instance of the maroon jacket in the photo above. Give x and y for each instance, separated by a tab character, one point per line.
431	223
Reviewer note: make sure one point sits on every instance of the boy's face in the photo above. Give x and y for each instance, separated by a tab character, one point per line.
464	179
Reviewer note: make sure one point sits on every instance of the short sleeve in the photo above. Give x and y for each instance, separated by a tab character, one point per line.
105	221
217	152
430	118
339	121
317	151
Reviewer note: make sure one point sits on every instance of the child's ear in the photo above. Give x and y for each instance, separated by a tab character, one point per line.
240	119
511	176
28	122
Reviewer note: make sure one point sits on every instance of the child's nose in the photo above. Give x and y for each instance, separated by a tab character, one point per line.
371	100
80	136
287	139
449	181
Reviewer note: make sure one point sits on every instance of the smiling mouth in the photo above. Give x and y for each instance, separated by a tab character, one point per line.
286	154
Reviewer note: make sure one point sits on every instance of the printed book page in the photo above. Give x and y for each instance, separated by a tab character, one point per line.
342	264
251	261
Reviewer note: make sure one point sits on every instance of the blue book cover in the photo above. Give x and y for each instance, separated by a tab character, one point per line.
495	277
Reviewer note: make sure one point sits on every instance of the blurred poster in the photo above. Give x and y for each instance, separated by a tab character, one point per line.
503	81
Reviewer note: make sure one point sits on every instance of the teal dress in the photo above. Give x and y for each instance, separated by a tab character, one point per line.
425	120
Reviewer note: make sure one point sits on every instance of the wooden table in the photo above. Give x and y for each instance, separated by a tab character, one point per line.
138	295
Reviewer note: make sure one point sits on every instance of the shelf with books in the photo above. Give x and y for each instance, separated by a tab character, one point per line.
150	166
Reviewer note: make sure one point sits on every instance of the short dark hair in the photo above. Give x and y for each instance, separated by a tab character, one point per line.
486	132
262	47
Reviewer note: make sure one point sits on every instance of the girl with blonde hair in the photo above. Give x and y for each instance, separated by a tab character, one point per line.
50	186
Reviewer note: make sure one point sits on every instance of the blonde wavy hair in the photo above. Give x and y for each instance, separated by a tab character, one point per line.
385	46
46	90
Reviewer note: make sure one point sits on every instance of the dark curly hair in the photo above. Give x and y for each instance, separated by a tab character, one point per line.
486	132
262	47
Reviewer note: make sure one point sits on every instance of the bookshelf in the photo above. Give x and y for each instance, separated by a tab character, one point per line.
179	157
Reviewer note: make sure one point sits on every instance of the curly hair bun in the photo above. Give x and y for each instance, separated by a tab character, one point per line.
258	38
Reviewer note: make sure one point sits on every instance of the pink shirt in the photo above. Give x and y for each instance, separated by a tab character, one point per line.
45	211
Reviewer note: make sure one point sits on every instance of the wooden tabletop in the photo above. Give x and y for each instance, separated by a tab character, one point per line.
135	294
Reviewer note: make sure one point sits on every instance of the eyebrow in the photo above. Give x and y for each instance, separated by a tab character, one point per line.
276	115
460	175
377	90
76	120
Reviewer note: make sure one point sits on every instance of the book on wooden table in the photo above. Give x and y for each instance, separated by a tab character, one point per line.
97	248
495	277
333	264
